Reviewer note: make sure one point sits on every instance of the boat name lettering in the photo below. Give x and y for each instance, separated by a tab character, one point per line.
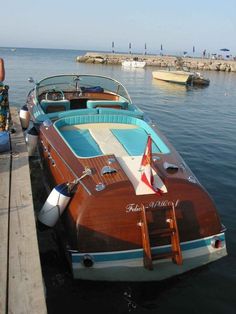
137	208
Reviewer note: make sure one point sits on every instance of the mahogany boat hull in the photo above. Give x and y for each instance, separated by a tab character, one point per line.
103	226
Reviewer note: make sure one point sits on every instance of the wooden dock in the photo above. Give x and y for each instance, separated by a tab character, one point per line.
21	282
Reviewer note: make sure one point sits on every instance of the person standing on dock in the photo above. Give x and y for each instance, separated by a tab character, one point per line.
4	104
2	70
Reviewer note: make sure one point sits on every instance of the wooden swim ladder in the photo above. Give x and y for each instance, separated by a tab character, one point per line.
171	231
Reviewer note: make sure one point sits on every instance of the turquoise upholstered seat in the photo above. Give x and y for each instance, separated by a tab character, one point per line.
134	113
55	105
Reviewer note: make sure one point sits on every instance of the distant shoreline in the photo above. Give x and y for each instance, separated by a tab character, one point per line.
195	63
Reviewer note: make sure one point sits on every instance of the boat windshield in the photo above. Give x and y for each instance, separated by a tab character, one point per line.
78	82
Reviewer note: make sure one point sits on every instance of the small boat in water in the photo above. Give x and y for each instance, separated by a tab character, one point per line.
199	80
131	208
181	77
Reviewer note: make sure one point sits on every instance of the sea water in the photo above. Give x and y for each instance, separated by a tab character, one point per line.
201	124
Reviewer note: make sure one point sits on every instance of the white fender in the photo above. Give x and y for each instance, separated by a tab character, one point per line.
55	205
32	140
24	117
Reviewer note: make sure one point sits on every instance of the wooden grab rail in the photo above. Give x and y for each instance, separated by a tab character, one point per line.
147	258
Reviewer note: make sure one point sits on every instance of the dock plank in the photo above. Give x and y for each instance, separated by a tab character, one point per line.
5	163
25	293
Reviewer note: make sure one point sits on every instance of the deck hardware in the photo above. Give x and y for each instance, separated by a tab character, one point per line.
88	261
87	172
216	242
44	146
169	166
47	123
77	86
156	158
100	187
111	160
108	170
192	179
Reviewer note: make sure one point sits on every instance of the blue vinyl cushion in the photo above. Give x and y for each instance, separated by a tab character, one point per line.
82	142
50	103
134	140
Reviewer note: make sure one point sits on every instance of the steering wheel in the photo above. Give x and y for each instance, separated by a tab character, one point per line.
55	94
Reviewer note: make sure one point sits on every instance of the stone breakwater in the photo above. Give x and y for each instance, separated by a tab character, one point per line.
160	61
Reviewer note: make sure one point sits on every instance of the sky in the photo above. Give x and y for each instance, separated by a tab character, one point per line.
177	25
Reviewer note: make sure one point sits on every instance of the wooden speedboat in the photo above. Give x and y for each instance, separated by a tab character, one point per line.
181	77
134	210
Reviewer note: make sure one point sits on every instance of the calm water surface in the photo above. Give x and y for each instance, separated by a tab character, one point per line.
201	124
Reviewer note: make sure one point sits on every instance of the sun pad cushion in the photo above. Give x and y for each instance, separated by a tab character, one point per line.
82	143
134	141
97	118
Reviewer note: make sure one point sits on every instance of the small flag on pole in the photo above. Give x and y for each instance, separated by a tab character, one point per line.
154	182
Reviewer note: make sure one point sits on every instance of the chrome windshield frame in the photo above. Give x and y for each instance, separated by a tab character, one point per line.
85	80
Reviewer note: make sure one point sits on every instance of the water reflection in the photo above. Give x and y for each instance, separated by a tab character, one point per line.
167	87
130	69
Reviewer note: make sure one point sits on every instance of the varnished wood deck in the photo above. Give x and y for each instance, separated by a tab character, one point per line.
21	283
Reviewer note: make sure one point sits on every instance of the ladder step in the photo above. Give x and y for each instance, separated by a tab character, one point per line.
164	255
163	232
